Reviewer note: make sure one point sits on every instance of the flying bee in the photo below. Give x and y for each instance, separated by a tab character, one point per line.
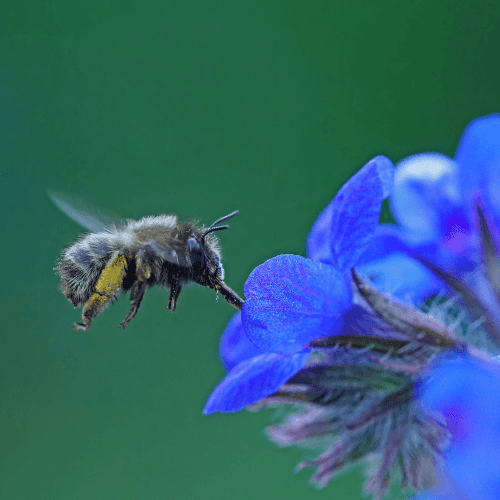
154	251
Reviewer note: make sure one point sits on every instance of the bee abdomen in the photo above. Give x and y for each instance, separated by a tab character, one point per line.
81	266
77	282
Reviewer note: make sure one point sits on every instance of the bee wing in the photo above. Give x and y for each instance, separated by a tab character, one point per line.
80	212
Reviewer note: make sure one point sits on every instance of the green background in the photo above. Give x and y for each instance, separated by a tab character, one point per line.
196	108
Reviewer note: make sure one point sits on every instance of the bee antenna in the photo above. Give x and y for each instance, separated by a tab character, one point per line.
214	226
222	219
212	229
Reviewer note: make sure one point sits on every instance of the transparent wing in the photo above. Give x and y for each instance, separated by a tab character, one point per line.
87	216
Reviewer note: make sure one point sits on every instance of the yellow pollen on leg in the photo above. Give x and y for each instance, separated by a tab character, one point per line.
111	278
97	301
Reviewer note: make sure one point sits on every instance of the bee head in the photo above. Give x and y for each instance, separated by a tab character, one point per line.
207	250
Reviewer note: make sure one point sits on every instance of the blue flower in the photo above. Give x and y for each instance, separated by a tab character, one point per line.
291	300
466	394
309	335
435	202
319	334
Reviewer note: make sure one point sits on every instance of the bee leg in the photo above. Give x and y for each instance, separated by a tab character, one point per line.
143	270
175	291
143	273
92	308
136	296
229	295
109	283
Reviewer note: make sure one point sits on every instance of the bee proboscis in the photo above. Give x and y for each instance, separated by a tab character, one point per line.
153	251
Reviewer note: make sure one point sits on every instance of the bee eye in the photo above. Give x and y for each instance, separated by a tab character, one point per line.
196	252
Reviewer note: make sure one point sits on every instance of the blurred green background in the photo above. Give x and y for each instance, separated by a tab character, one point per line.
196	108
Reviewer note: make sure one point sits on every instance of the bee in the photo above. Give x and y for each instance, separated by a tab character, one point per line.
136	255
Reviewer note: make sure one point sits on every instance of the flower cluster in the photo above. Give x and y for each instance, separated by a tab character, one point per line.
341	337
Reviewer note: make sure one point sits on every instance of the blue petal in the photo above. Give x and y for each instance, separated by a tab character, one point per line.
234	345
319	240
389	265
466	393
347	221
478	155
252	380
428	204
403	277
291	301
385	170
355	216
387	239
425	190
471	388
